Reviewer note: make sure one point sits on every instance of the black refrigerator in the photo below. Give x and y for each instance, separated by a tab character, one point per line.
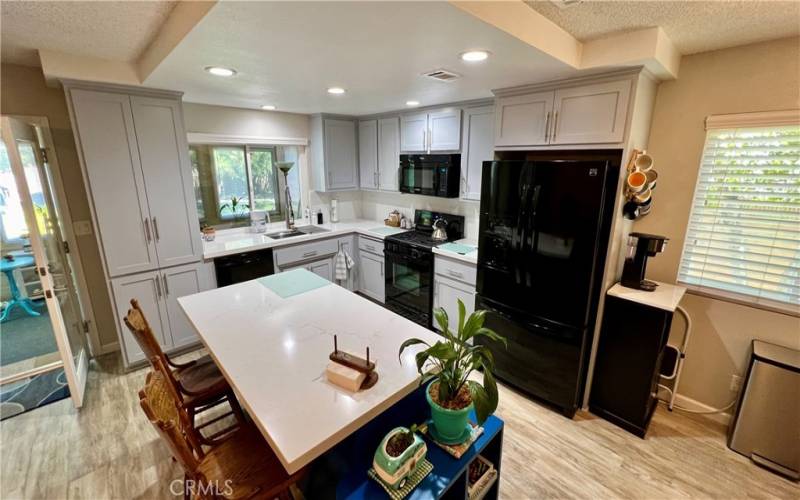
544	231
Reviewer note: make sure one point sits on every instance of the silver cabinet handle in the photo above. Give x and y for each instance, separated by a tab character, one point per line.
375	176
381	268
310	254
454	273
158	287
547	127
166	286
155	229
555	125
147	230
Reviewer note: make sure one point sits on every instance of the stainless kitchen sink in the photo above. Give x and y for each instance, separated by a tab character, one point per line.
299	231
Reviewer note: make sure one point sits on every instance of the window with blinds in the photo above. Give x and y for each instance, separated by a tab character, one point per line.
743	239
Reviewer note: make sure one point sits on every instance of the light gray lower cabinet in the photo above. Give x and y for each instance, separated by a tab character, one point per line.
371	272
347	244
322	268
478	147
453	281
157	293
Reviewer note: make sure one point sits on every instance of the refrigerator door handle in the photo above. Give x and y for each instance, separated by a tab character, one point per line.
517	242
530	226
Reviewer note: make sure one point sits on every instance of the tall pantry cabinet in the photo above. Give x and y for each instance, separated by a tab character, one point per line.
135	161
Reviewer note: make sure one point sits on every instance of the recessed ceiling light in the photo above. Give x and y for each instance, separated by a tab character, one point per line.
475	55
412	103
268	107
220	71
336	90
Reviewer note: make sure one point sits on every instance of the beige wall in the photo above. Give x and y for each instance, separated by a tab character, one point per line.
758	77
23	92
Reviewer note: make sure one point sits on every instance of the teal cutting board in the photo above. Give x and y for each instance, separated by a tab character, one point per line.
457	248
294	282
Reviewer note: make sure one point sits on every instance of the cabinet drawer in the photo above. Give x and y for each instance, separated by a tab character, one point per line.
456	270
369	245
309	251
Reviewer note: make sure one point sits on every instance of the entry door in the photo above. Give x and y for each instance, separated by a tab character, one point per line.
54	268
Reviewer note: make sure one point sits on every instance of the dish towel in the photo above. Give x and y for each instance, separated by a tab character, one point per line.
343	265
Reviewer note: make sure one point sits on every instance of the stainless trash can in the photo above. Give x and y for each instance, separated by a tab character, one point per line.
766	425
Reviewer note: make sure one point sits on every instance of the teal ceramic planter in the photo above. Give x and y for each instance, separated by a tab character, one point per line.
395	471
450	424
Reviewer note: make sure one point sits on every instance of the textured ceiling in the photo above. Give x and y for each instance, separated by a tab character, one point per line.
111	30
693	26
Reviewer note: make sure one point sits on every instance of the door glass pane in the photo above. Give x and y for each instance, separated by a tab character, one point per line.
230	173
406	279
265	179
27	340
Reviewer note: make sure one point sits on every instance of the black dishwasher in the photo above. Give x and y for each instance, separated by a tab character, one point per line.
243	267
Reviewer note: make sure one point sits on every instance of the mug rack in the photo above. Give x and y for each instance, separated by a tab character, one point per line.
640	182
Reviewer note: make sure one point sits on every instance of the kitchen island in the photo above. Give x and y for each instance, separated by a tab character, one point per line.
273	351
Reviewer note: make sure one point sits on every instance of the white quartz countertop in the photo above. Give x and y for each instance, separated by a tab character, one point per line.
233	241
665	296
470	257
274	351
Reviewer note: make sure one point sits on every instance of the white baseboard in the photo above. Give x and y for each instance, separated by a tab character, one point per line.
693	404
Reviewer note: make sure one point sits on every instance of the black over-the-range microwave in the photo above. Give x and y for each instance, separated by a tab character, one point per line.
431	175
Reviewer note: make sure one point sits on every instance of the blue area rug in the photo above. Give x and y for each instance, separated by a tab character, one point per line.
25	395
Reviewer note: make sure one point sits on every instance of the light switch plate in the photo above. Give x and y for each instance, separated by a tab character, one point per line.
82	227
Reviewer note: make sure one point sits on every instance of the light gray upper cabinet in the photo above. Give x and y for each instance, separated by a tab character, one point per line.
436	130
587	114
368	154
333	154
168	179
523	120
444	130
107	140
591	113
388	154
478	147
414	133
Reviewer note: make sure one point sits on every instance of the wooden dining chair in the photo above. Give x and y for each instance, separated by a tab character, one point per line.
198	384
243	466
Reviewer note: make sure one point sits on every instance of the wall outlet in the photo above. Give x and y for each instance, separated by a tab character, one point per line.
736	383
82	227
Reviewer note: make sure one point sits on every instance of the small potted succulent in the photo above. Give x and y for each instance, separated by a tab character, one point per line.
450	393
398	456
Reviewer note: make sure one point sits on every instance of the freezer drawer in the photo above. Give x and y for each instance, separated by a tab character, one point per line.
765	427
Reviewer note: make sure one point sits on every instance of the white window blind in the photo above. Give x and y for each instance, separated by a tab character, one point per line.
743	239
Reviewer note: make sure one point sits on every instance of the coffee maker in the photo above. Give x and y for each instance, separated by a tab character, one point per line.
640	247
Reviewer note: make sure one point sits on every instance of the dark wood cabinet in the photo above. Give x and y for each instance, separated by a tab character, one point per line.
632	340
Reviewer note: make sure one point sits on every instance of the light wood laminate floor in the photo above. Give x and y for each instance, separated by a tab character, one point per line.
109	450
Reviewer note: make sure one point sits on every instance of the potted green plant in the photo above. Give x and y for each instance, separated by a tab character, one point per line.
236	207
398	456
450	393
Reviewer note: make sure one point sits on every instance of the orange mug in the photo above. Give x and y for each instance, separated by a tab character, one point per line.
637	181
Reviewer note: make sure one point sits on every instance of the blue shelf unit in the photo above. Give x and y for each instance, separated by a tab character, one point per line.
342	472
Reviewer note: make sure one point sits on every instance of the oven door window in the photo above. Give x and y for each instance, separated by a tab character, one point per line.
406	280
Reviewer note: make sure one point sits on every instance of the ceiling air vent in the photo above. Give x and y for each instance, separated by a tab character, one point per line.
565	4
442	75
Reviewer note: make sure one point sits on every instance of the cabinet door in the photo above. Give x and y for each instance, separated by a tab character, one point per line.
179	282
445	130
479	147
372	280
389	154
414	133
523	120
105	130
591	114
347	244
168	179
322	268
368	154
340	154
447	293
147	289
